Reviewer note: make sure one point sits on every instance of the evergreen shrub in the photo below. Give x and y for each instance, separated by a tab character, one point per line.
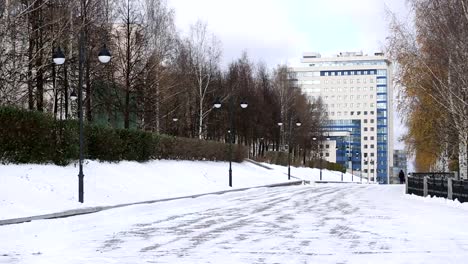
33	137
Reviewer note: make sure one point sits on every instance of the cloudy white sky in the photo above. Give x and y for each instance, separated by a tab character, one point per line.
279	31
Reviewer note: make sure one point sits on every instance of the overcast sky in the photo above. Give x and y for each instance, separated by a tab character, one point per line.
278	31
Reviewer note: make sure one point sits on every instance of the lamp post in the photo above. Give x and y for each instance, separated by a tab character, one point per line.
280	124
58	57
175	119
243	104
320	156
298	124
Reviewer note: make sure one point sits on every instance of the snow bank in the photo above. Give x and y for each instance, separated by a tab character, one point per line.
31	189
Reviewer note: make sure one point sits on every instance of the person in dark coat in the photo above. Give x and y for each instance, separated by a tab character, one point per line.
401	175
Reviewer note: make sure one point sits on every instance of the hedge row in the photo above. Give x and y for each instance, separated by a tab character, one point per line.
33	137
281	158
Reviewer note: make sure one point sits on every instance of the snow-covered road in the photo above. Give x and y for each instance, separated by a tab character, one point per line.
301	224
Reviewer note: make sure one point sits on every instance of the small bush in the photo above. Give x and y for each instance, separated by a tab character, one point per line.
277	157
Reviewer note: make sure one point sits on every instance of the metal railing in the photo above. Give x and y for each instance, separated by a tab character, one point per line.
437	185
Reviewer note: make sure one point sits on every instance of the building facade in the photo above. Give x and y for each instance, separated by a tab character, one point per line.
357	92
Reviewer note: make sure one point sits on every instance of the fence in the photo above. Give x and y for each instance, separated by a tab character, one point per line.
438	185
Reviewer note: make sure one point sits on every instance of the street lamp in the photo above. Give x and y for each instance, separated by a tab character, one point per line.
298	124
320	156
243	104
58	58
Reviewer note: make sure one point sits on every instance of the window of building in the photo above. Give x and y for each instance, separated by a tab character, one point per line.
352	112
365	121
365	146
371	89
327	146
372	146
339	73
372	138
358	72
321	146
372	170
365	129
371	96
371	112
333	73
351	97
352	72
358	112
365	112
372	105
345	81
358	105
345	73
358	80
372	154
365	170
365	138
327	154
371	129
326	73
345	112
372	120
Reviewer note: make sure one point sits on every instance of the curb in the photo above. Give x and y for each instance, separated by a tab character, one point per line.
337	182
90	210
258	164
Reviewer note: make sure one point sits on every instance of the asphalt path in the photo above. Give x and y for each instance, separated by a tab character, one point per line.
299	224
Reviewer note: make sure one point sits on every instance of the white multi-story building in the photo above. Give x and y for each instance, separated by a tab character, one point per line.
357	92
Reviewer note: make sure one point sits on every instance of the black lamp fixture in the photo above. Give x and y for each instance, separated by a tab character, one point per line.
104	55
58	57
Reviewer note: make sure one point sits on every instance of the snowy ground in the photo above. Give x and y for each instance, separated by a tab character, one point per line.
27	190
331	223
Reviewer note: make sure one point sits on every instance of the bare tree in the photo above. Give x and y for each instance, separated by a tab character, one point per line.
204	56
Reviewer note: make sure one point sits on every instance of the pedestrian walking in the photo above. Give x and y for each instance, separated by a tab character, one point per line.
401	175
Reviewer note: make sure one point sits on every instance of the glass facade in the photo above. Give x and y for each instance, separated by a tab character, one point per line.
348	149
382	127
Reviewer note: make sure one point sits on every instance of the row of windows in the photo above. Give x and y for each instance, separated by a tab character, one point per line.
346	81
344	73
351	97
351	105
350	89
